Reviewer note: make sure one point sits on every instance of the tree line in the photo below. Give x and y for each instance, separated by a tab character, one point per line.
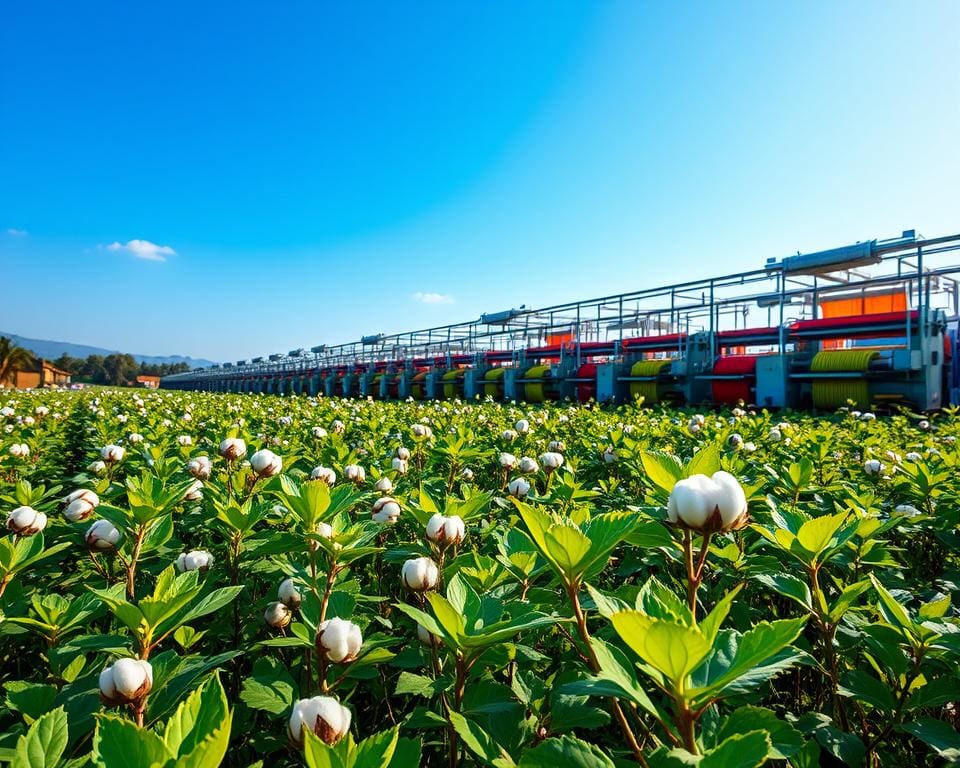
114	369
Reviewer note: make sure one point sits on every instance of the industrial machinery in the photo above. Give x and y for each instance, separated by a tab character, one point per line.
872	323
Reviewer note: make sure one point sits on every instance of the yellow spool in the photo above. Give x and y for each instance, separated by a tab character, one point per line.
416	386
648	390
534	392
834	393
450	383
492	383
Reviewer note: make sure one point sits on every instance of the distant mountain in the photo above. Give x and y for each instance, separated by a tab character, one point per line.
51	350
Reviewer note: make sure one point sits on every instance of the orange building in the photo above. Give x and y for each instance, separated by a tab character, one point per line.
148	382
41	374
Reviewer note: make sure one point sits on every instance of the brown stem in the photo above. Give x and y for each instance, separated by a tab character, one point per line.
594	665
7	578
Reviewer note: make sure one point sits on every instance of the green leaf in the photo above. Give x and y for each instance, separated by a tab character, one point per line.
663	469
448	617
863	686
789	586
270	687
567	547
753	648
937	734
480	742
816	535
318	754
742	750
376	751
673	649
199	730
567	752
118	743
704	462
43	745
212	602
785	739
407	753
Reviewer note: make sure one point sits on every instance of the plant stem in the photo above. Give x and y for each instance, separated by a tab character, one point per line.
134	556
594	664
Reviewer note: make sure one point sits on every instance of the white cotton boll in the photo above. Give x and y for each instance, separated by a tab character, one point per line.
339	640
518	487
420	574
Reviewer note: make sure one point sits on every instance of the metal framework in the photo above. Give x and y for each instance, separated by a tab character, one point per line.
755	309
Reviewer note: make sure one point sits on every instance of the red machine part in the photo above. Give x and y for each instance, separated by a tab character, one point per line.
587	389
731	391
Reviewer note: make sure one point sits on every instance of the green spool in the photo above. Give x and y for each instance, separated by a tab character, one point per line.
834	393
492	382
648	390
535	392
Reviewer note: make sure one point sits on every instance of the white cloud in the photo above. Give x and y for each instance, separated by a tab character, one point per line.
432	298
16	232
143	249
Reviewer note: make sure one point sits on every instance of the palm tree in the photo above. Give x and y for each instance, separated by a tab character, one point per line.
12	359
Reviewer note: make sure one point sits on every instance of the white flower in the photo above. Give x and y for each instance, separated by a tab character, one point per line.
337	426
355	473
420	574
384	485
41	411
197	560
339	640
385	510
868	417
556	446
200	467
19	450
421	430
185	440
913	456
774	435
26	521
694	426
319	432
7	412
467	474
446	530
79	505
518	487
399	465
97	467
508	460
126	682
522	426
923	424
134	438
508	435
233	448
715	503
323	715
277	615
403	453
749	447
102	535
289	593
266	463
112	453
551	460
325	474
609	454
872	467
528	465
735	441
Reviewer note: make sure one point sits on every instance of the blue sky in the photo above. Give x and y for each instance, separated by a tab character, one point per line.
231	179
